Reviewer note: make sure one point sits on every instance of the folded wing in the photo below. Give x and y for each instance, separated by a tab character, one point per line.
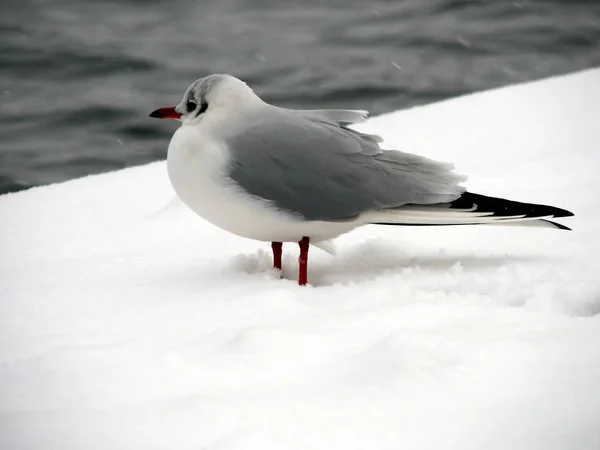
310	164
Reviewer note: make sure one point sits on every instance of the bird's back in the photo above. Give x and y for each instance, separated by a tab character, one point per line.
311	164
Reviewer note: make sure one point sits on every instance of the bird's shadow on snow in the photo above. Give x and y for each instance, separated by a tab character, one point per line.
370	260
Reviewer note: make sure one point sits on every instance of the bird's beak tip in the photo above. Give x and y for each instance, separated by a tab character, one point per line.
165	113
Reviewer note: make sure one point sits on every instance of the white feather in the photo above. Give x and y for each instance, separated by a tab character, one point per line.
440	216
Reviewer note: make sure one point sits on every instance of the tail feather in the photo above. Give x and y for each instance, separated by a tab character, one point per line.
472	209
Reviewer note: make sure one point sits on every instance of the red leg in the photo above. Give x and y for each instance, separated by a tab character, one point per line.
303	261
277	246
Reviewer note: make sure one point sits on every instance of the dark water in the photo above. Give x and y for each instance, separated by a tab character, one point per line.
78	78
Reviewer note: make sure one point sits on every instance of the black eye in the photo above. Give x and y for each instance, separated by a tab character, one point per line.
190	106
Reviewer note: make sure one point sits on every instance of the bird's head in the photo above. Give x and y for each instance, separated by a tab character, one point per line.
205	95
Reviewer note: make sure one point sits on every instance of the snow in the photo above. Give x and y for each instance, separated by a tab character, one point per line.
127	322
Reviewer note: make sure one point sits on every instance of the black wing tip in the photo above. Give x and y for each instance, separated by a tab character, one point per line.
504	207
560	226
562	213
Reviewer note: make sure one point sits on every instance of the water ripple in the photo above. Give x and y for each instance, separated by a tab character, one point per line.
79	78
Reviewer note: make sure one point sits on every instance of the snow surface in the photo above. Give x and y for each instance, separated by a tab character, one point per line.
126	322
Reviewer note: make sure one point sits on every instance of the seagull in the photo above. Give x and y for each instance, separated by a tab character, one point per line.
283	175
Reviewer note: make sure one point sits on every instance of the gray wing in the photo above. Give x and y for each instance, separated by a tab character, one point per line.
315	167
339	116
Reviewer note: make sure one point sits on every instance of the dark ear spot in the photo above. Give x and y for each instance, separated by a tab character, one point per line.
203	107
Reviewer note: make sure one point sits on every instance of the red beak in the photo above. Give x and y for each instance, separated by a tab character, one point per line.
166	113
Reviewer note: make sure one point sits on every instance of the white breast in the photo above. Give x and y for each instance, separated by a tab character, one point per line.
198	175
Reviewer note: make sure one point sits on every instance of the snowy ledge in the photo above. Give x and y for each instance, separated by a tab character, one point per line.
126	322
